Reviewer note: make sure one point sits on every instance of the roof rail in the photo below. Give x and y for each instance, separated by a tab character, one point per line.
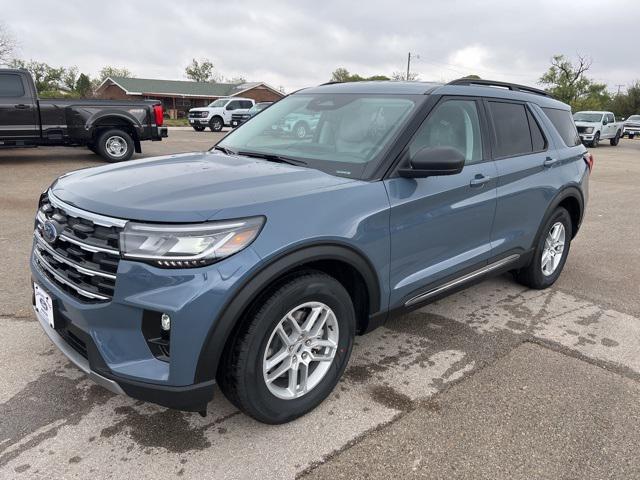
491	83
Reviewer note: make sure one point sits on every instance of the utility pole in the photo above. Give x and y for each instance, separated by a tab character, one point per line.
619	89
409	55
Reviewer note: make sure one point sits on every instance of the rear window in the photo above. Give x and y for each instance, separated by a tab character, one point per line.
511	129
11	85
566	127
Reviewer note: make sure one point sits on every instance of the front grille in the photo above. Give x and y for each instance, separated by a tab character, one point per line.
197	114
582	129
83	259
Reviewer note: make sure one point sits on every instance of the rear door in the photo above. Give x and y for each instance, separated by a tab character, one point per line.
529	174
18	113
441	225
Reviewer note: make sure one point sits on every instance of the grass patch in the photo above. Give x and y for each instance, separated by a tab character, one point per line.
176	122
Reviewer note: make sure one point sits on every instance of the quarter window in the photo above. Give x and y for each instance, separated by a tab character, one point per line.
454	123
537	137
11	86
512	132
566	127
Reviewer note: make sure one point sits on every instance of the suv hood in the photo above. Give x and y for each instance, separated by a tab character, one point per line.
586	124
189	187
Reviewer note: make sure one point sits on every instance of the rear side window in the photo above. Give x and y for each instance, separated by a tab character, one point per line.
11	85
566	127
511	129
537	137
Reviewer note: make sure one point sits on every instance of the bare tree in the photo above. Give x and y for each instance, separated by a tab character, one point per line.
8	45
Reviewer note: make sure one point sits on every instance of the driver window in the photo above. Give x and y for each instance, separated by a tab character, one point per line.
453	123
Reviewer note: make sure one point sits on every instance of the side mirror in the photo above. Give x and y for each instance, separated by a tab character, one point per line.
434	161
605	121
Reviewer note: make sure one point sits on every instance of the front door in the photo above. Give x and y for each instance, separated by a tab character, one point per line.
17	109
441	225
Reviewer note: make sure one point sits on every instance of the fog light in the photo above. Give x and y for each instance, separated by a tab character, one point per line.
165	322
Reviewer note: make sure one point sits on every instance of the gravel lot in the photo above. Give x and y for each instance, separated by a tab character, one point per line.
494	382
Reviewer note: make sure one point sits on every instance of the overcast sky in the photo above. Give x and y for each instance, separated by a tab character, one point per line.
299	43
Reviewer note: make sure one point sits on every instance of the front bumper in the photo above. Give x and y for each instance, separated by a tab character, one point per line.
586	137
114	351
199	121
631	131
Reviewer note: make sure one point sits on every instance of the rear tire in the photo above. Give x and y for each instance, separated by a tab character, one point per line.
244	374
534	275
596	140
615	140
115	145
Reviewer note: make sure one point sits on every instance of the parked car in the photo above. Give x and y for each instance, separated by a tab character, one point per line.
238	119
111	128
254	265
218	113
298	125
595	126
632	126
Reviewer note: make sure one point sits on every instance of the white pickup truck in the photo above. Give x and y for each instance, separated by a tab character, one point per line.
218	113
632	126
594	126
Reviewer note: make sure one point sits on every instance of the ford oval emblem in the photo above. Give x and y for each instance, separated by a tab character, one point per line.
50	231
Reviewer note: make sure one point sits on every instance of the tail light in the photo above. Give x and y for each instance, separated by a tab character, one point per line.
159	114
588	159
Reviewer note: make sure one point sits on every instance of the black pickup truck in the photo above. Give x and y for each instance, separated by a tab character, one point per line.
111	128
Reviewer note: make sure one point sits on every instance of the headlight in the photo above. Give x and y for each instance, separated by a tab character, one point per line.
589	130
190	245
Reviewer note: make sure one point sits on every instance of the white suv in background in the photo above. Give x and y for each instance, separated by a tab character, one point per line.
218	113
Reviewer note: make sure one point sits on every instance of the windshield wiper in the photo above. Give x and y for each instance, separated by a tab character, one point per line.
225	150
272	157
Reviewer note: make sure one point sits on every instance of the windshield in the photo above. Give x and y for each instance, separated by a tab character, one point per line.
220	102
587	117
341	134
634	118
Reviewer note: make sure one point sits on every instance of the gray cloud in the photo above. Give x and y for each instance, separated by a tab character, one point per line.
299	43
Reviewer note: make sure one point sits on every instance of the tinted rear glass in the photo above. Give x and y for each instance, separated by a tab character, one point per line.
11	86
563	121
511	129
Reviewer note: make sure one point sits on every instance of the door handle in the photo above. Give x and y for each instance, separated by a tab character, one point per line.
22	106
479	180
549	161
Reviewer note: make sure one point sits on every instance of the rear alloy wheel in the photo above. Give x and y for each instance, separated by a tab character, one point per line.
550	254
614	141
290	355
596	140
216	124
115	145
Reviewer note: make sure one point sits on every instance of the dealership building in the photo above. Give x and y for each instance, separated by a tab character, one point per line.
178	96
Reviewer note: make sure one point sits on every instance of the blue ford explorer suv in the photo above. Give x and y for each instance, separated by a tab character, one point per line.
254	265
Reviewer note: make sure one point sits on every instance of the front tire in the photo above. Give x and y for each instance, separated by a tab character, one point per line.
216	124
293	350
198	128
115	145
551	252
596	140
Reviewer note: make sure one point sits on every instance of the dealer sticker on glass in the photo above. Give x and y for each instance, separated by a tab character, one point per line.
44	305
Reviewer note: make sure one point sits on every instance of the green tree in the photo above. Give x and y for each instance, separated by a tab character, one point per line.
342	75
83	86
48	79
201	71
626	104
109	71
69	78
568	82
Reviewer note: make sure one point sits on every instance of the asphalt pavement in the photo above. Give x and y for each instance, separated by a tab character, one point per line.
496	381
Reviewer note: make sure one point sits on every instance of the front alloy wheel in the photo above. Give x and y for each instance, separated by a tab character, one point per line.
291	350
300	350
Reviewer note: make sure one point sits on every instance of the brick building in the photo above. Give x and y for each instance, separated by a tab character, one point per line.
178	96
